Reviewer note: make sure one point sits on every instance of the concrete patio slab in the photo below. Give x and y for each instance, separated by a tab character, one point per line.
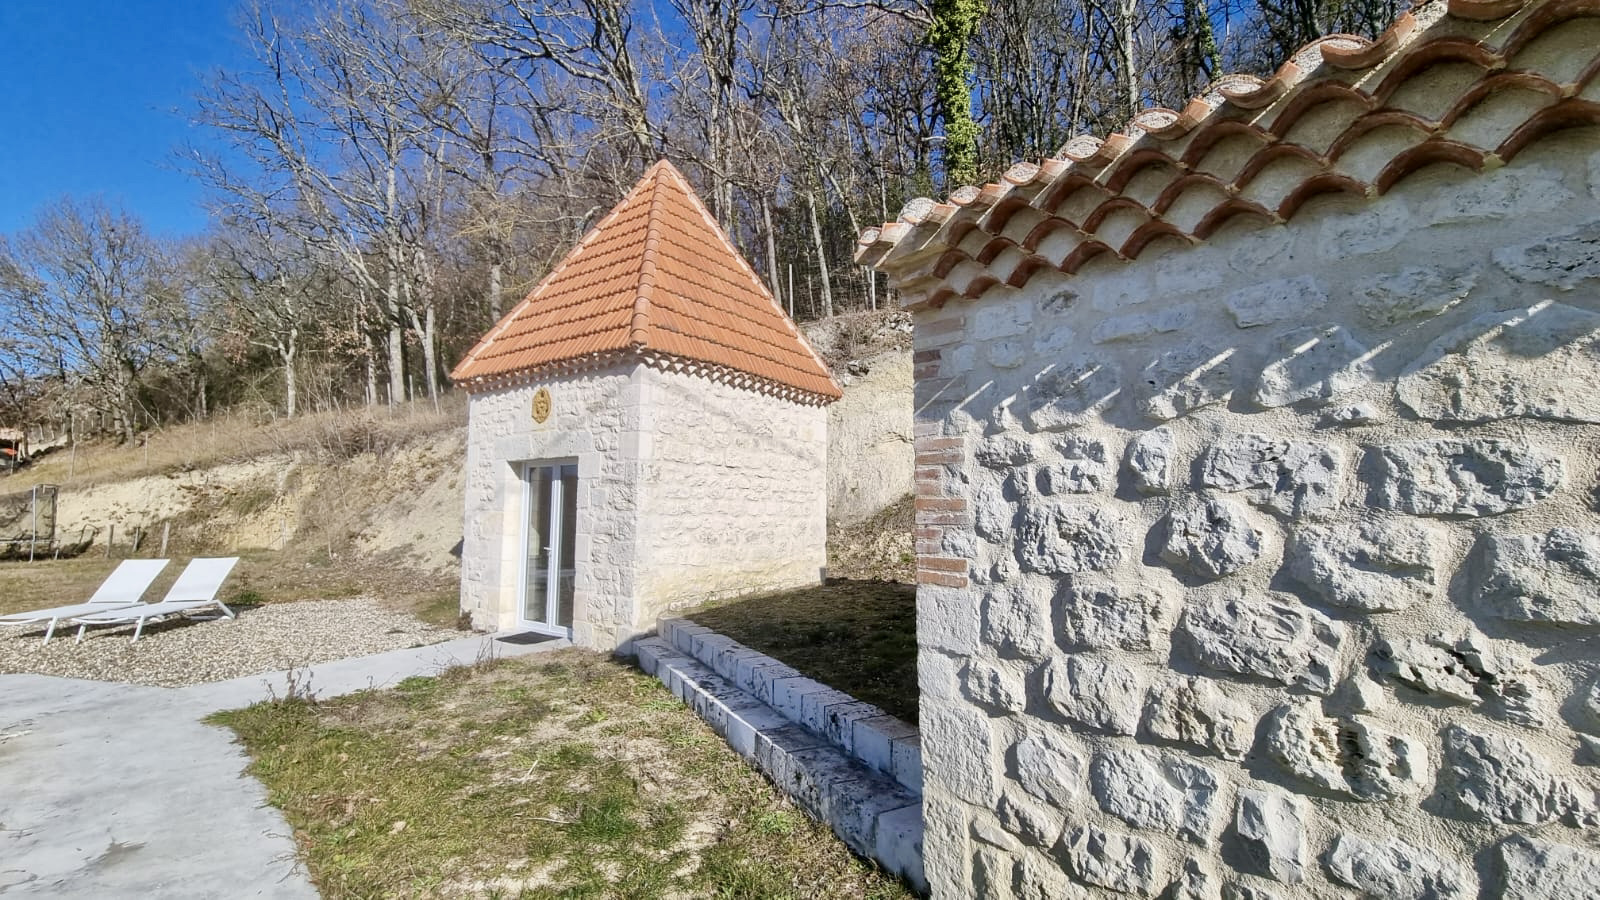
115	790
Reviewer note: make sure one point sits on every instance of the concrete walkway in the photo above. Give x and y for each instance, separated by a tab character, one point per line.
115	790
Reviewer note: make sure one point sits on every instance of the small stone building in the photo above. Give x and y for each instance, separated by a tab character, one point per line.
646	430
1257	448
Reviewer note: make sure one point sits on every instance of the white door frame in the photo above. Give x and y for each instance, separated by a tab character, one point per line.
526	473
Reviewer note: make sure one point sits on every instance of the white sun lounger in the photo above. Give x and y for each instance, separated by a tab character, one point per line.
122	588
195	589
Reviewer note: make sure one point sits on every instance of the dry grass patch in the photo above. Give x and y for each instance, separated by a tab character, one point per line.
859	637
237	436
564	775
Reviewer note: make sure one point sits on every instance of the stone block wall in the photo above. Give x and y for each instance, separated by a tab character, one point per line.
734	497
594	419
1271	567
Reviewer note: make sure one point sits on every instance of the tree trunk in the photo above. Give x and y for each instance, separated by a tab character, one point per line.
397	333
496	290
822	254
291	391
772	251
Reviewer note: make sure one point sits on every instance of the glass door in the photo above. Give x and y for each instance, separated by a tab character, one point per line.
550	528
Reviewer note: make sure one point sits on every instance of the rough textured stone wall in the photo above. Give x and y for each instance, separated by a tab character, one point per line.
594	419
734	494
1271	567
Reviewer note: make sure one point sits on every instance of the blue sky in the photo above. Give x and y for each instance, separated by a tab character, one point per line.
94	101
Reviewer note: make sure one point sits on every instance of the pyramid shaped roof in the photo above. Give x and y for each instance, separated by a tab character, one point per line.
659	281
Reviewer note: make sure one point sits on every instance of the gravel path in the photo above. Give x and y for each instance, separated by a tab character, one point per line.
262	639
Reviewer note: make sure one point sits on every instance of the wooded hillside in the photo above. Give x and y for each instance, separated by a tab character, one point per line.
387	177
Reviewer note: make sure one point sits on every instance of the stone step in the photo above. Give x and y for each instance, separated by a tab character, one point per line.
874	815
860	730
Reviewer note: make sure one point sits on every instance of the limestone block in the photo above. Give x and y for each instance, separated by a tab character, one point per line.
1542	578
996	688
1112	860
1133	326
1085	468
1005	354
1393	869
1177	383
1564	261
1520	362
999	319
1373	230
1354	414
1316	364
1275	301
1055	538
1464	477
1542	869
1238	890
1350	756
872	740
1589	702
963	765
1371	566
1296	478
1271	828
1210	537
1004	452
1095	613
1047	766
1498	779
1069	395
1093	693
1260	247
1276	639
1414	292
907	755
1151	459
1035	824
1466	670
1194	883
1503	194
1041	878
1160	792
1190	710
992	513
947	624
1016	620
898	844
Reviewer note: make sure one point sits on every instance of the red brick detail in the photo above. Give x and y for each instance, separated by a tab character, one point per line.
930	487
942	579
925	371
925	517
942	564
939	443
940	458
941	504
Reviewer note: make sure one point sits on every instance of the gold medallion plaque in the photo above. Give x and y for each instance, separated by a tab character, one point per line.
541	405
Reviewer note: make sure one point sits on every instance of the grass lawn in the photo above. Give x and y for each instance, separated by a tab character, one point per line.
563	775
859	637
262	576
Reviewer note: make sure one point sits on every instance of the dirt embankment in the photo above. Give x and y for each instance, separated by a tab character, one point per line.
870	456
401	504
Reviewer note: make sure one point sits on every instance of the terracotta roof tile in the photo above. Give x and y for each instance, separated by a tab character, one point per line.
1331	119
656	279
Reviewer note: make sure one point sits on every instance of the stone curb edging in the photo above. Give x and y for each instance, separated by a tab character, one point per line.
874	815
860	730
